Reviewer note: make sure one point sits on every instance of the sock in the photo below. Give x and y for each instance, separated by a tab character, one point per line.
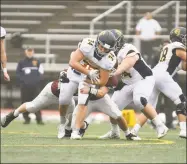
156	121
16	113
127	132
68	127
62	119
115	127
136	129
182	125
76	131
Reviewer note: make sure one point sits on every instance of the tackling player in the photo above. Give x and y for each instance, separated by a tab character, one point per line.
48	96
138	83
3	55
172	59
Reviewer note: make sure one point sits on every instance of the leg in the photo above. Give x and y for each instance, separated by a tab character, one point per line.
141	98
173	91
67	90
126	93
44	99
110	108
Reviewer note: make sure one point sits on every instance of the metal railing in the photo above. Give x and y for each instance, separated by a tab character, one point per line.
177	10
128	16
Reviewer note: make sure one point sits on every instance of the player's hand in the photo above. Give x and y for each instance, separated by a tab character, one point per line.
94	75
6	76
112	73
63	77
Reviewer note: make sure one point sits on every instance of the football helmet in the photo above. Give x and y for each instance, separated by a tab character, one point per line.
107	40
178	34
120	40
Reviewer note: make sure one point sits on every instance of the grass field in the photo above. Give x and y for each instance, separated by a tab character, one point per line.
39	144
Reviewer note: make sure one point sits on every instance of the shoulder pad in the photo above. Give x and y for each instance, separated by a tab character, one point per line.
87	45
3	32
178	45
111	61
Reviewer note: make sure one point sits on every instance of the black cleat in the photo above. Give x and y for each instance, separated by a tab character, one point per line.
68	133
40	123
7	119
82	131
133	137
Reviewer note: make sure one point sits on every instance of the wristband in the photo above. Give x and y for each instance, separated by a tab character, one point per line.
93	91
5	70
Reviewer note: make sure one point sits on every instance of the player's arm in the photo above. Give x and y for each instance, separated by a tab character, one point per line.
181	54
3	55
74	62
128	62
97	92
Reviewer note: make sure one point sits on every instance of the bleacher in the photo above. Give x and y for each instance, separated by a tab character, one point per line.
72	17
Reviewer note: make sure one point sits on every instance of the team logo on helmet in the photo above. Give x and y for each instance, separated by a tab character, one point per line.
177	32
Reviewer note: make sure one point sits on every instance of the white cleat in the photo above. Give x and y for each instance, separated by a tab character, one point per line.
162	131
61	129
182	134
111	135
75	136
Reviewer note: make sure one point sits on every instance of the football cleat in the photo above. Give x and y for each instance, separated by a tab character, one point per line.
61	129
162	131
7	119
182	134
75	136
82	131
133	137
111	135
68	133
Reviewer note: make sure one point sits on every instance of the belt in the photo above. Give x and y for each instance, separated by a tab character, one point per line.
75	71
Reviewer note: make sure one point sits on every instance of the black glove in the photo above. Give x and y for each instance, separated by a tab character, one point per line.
63	77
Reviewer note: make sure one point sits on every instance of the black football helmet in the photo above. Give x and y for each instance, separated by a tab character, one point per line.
178	34
107	40
120	40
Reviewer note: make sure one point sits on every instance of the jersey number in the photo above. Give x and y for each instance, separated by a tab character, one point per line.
163	54
90	42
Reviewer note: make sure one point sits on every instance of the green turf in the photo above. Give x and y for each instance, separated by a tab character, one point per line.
39	144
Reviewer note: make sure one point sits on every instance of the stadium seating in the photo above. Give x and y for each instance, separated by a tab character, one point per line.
72	17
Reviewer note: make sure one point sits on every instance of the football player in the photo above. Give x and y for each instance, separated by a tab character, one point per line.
172	59
3	55
100	101
48	96
94	59
138	83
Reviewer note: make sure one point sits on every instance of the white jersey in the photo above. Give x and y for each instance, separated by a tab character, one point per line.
3	32
169	61
140	69
92	59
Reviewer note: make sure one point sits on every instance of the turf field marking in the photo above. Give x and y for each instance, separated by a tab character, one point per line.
133	143
23	132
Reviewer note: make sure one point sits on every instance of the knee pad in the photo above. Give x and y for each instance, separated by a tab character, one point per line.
181	109
143	101
140	102
30	107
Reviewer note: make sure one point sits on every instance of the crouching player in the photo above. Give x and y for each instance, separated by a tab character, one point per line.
48	96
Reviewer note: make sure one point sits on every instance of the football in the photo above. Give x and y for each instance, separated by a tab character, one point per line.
112	81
